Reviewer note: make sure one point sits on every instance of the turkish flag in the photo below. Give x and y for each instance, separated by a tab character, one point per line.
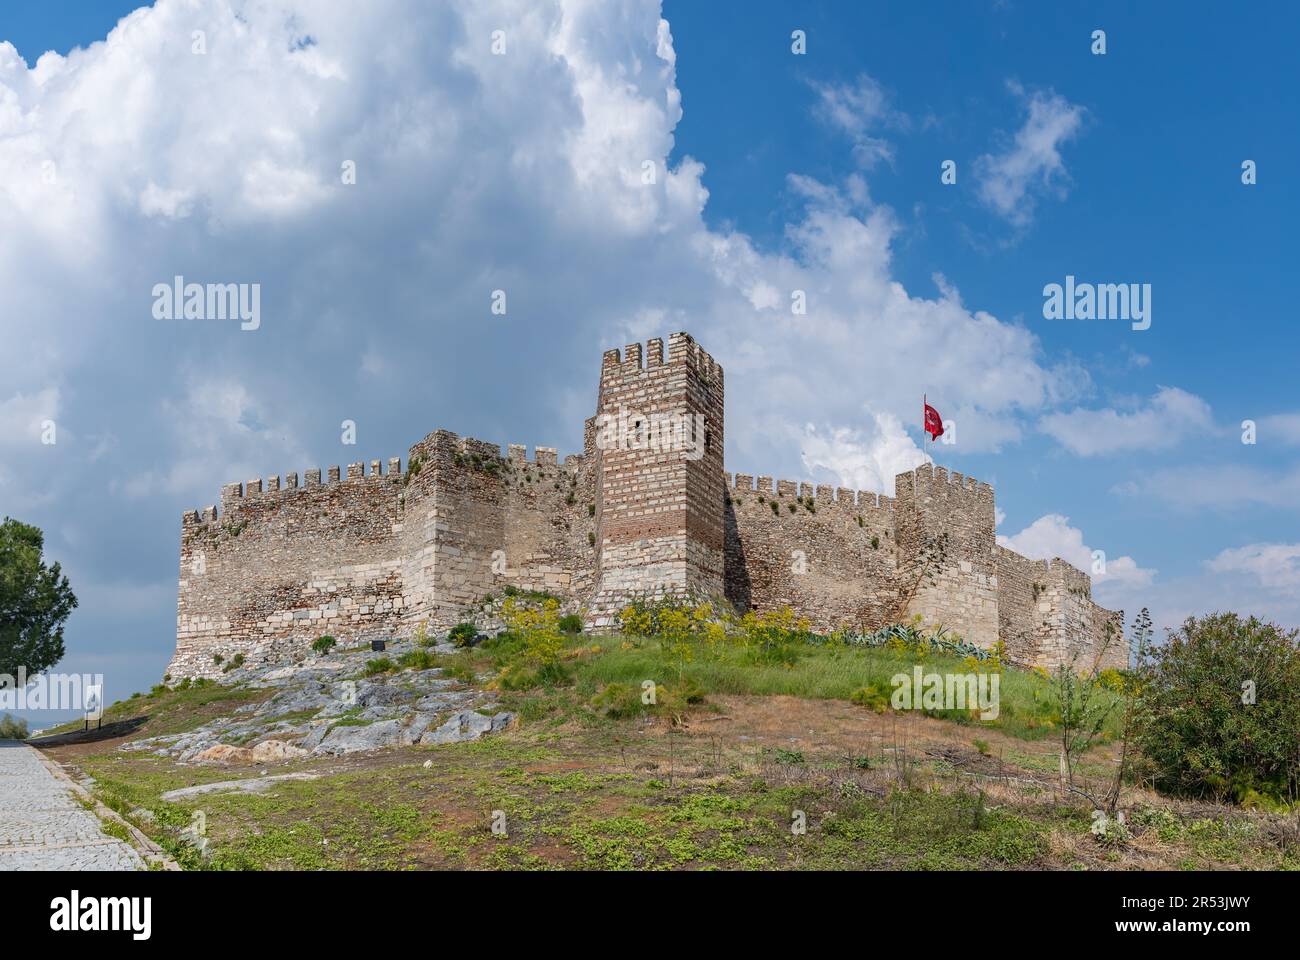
933	423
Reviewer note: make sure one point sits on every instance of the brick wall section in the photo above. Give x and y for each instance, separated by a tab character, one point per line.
377	552
660	523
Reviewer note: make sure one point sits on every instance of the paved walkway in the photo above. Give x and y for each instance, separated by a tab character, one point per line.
42	826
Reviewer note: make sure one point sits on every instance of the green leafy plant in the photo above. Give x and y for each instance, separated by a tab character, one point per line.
323	645
35	601
463	634
1218	713
11	728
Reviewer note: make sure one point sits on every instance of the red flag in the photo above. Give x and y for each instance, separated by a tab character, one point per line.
933	422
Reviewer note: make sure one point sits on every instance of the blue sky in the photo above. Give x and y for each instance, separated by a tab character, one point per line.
818	171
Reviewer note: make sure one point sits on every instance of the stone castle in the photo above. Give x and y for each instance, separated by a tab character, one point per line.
645	510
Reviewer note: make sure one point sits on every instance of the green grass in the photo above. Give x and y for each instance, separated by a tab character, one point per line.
1027	705
173	710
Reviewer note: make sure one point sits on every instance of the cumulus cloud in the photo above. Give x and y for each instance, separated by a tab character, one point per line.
1012	180
1170	416
1051	536
135	160
1273	565
860	459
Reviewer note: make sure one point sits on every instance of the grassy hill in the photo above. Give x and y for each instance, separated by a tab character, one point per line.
744	761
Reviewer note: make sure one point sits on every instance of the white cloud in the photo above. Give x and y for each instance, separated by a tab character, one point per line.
475	172
860	460
219	431
1010	182
1283	428
1163	422
859	109
1274	565
1051	536
22	417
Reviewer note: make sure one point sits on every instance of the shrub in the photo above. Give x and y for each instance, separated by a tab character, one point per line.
619	701
1219	709
538	628
463	634
235	663
378	665
775	636
323	645
417	660
874	697
422	638
11	728
571	624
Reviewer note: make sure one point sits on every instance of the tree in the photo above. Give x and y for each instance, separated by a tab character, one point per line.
35	600
1219	710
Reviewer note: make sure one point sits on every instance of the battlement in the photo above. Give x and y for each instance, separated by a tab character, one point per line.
938	482
822	494
683	351
446	448
234	493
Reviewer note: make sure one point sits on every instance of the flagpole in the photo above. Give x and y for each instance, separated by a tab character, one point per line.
925	422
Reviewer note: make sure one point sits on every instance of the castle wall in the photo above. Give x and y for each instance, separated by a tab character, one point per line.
1022	585
1047	616
945	537
834	564
282	565
485	522
641	512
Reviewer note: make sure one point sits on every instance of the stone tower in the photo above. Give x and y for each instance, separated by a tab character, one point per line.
658	439
945	535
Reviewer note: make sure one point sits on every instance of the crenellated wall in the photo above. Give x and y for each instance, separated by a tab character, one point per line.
645	510
282	564
1047	617
829	554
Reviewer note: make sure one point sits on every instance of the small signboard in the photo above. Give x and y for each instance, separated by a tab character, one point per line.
93	701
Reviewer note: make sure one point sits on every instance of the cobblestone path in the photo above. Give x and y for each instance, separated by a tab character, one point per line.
43	827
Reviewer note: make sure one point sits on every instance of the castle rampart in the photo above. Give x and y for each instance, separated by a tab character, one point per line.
645	510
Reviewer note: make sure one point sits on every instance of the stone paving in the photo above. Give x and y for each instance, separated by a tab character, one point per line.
43	827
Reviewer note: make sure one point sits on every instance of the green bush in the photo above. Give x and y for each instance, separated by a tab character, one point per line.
571	623
379	665
463	634
12	728
417	660
323	645
1196	724
874	697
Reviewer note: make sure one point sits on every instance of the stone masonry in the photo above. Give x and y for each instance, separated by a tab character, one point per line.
645	510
